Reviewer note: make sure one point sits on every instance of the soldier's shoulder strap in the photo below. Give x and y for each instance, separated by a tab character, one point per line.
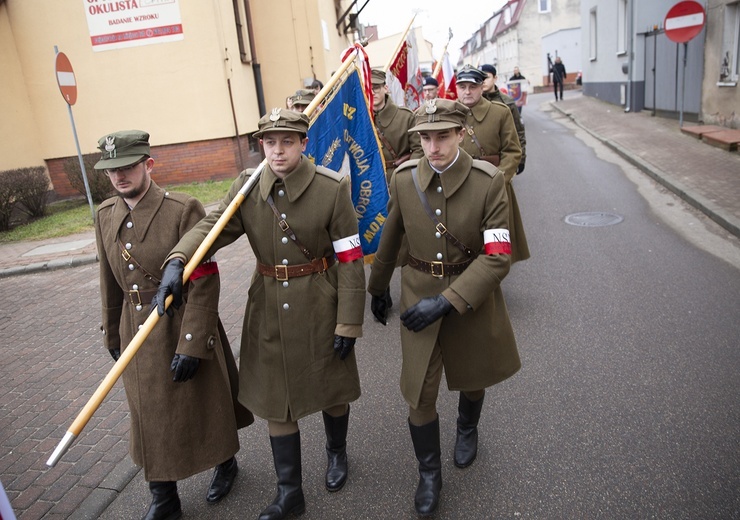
407	165
486	167
329	173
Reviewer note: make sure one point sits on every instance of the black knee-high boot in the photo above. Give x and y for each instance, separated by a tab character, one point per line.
428	453
336	450
165	502
286	453
466	443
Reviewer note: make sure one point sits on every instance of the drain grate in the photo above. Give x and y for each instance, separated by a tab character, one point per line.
593	219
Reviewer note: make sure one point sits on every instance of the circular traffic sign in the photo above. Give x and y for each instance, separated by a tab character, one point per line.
66	78
684	21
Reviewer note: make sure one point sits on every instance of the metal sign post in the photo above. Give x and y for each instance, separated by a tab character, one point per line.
682	23
68	87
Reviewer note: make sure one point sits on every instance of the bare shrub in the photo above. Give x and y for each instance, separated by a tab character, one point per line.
100	186
7	199
32	190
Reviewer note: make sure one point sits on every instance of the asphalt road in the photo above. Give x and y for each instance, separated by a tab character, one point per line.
627	403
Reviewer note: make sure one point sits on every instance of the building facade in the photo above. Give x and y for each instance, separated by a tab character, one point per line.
196	75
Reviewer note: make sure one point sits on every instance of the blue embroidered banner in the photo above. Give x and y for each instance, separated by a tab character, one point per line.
342	138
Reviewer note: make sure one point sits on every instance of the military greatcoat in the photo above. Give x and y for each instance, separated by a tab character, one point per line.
493	127
392	124
497	95
477	344
177	429
288	367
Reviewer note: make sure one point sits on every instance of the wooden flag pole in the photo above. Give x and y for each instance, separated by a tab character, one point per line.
137	341
444	51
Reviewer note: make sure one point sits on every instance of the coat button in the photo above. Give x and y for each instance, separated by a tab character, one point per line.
211	341
438	234
439	256
282	216
131	267
439	189
285	261
438	212
138	307
281	193
129	225
138	328
135	287
189	336
128	245
285	284
284	240
166	193
286	306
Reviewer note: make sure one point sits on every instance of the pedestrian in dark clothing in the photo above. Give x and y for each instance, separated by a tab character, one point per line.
558	77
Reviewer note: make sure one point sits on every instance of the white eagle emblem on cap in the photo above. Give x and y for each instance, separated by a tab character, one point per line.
430	106
275	114
110	146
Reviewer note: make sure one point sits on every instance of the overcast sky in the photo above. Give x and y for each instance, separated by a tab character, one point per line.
435	17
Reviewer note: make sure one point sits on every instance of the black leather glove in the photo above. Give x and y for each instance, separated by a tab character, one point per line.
343	346
115	353
520	169
184	367
379	308
171	284
425	312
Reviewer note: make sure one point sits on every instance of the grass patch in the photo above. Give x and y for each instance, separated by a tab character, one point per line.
73	216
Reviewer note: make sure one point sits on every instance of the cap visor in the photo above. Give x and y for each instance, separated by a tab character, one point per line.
437	125
118	162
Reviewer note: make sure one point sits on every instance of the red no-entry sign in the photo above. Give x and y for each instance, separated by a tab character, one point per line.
684	21
66	78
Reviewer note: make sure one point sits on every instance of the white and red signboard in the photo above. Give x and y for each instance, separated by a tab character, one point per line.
117	24
684	21
66	78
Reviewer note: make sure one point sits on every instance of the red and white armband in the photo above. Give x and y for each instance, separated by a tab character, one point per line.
497	241
348	249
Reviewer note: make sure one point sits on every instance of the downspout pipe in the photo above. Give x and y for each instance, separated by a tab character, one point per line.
631	55
256	69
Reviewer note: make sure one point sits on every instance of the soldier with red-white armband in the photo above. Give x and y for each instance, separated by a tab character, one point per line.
306	300
454	212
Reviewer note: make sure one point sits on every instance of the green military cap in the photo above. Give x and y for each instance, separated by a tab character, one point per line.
121	149
439	114
377	77
282	120
302	97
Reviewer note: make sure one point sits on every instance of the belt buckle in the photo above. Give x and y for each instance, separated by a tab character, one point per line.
324	265
283	225
126	255
284	277
438	273
441	228
131	297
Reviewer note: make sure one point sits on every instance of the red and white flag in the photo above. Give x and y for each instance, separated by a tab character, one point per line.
403	77
446	79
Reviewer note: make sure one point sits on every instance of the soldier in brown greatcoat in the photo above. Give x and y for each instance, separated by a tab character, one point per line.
491	136
306	300
182	384
392	124
492	93
454	212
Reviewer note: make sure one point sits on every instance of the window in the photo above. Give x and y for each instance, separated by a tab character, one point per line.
729	70
592	35
544	6
621	27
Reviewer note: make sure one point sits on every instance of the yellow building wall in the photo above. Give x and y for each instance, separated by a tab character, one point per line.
177	91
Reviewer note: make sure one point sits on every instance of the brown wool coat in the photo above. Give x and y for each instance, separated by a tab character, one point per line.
288	367
495	131
392	124
477	341
177	429
499	96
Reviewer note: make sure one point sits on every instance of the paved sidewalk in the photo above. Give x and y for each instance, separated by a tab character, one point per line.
48	319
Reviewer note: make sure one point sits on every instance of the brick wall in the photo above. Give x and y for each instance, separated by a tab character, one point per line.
216	159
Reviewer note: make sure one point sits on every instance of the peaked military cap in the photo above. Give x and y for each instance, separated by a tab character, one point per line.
430	82
377	77
303	97
439	114
469	74
282	120
121	149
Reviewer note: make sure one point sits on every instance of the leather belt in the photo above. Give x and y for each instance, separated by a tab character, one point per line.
438	269
283	272
137	297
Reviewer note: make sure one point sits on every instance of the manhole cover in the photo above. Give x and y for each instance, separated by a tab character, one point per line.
593	219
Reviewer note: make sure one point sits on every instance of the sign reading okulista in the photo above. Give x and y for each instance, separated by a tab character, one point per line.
116	24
